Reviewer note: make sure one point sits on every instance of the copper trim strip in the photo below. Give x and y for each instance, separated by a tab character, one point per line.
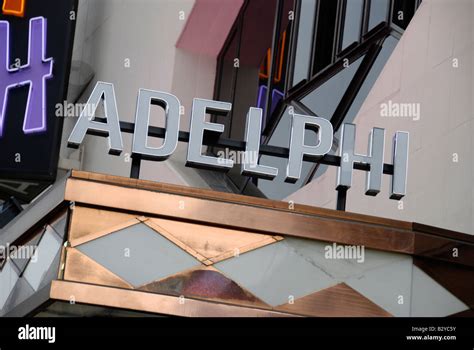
238	199
234	215
149	302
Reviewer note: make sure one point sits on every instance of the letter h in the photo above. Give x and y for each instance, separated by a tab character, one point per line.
35	73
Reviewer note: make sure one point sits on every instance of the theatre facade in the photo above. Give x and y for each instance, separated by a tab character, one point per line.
241	158
142	247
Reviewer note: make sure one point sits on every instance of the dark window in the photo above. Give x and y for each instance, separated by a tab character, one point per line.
387	48
352	22
304	41
256	39
331	64
378	12
226	81
325	34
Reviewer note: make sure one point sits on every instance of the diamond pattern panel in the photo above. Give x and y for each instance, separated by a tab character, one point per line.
211	244
206	283
275	273
138	254
341	269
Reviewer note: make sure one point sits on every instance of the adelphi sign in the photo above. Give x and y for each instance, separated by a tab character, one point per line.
299	149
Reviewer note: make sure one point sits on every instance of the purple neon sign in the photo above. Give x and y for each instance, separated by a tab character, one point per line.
34	73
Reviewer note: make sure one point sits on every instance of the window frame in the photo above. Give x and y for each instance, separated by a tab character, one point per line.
369	44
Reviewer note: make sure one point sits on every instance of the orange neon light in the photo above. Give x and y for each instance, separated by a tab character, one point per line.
265	70
14	7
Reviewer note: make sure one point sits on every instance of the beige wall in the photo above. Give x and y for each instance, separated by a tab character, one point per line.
145	32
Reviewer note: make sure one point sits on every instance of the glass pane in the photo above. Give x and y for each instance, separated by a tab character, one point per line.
325	34
256	40
352	22
388	46
378	12
324	100
278	188
304	41
228	72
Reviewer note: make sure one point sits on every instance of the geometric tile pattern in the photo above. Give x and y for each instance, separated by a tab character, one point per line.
274	273
341	269
210	244
286	274
206	283
138	254
24	274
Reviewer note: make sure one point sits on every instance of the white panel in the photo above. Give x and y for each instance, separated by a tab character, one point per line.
386	284
430	299
341	269
276	272
8	279
46	252
138	254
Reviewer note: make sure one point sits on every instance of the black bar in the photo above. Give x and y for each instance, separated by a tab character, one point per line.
350	332
210	139
355	85
135	169
341	199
